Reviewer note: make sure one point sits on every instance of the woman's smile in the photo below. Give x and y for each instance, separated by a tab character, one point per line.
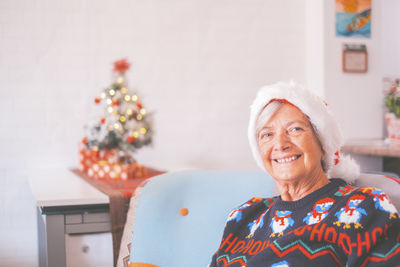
286	159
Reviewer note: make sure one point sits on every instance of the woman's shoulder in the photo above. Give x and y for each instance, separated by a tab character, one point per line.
251	207
257	202
351	190
371	199
347	190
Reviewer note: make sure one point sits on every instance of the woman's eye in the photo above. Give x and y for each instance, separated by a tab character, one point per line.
296	129
265	135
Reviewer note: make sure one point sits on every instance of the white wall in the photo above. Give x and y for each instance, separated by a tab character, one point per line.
196	63
390	38
315	46
356	98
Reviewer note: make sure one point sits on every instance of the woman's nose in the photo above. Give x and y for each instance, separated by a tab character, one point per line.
281	142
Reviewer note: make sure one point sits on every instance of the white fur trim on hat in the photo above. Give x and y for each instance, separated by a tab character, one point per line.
327	128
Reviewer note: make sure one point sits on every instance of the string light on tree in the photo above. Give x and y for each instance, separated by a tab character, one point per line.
124	124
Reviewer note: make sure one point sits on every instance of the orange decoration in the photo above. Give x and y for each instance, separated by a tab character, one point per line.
139	105
115	103
184	211
121	66
97	100
84	140
103	120
117	171
130	139
88	156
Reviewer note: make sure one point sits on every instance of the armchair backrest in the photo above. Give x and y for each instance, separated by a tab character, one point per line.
163	236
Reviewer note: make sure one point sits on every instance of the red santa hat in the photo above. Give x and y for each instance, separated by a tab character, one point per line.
321	117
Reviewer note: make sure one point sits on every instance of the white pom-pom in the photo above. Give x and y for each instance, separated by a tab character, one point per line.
347	169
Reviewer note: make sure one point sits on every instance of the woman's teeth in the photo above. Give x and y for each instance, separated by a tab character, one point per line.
284	160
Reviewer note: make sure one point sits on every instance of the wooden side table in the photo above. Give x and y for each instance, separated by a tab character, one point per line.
65	204
390	154
119	193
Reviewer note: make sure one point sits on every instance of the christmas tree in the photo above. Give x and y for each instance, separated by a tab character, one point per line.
125	125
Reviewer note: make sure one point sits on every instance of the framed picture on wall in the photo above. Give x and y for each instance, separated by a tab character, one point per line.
353	18
354	58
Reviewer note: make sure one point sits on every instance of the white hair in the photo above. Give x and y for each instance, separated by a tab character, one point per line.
266	114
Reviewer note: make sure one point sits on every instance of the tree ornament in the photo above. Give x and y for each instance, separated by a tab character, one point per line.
97	100
130	139
84	140
121	66
115	103
119	80
102	120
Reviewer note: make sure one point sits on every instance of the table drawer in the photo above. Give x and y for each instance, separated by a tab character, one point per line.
73	218
89	250
96	217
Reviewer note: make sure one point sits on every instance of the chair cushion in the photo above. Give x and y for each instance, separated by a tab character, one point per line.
168	238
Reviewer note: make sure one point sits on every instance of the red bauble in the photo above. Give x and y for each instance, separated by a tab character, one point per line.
121	66
97	100
139	105
115	103
130	139
103	120
84	140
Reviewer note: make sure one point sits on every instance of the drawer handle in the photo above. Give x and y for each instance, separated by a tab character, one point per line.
85	248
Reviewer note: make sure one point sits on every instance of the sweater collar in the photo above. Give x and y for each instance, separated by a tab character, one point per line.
317	194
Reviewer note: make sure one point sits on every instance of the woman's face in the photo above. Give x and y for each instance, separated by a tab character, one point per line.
289	148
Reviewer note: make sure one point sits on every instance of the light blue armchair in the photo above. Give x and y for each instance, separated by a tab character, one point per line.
164	235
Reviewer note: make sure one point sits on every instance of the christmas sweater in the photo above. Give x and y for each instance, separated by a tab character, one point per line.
336	225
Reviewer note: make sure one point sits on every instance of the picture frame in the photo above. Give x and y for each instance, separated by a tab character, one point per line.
353	18
355	59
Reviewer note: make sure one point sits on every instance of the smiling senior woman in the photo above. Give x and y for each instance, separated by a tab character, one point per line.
315	221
